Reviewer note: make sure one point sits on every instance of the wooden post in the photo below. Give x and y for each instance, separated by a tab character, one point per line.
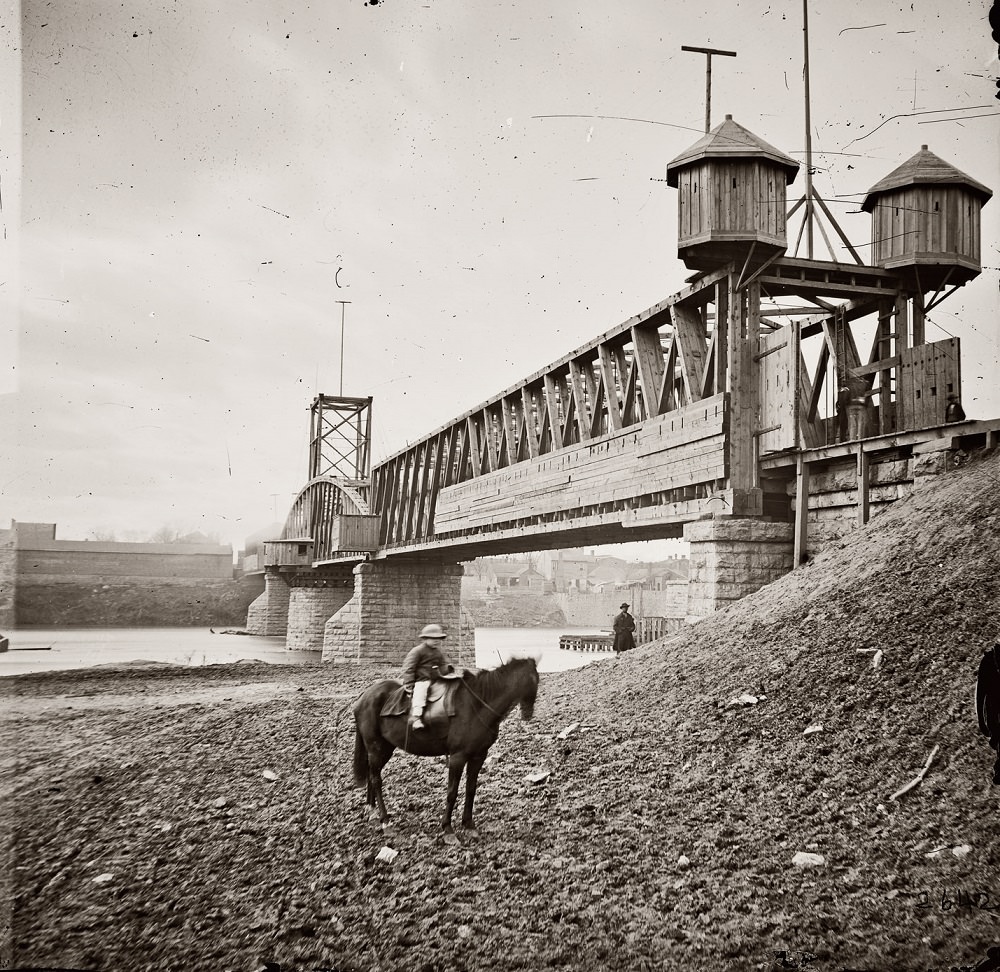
744	318
902	322
886	407
918	320
801	511
864	475
721	335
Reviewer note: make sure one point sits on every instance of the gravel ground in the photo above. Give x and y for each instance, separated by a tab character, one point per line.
142	832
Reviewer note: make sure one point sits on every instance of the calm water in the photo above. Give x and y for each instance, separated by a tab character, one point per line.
52	649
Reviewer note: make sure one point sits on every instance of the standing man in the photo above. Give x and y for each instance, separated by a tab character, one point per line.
624	625
843	400
424	662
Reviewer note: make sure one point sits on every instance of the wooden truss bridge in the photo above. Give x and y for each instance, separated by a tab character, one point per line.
705	403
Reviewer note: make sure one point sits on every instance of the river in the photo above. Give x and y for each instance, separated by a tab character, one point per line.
57	649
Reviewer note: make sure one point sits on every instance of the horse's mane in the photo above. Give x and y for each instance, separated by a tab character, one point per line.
491	680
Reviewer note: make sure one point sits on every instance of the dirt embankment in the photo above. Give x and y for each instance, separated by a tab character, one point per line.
137	605
200	819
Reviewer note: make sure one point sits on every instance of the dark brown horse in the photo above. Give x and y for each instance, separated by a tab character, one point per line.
481	702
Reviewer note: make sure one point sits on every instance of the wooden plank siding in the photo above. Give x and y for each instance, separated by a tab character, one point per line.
778	389
927	375
582	438
927	224
676	450
716	201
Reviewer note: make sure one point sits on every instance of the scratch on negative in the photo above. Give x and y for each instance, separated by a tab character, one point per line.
866	27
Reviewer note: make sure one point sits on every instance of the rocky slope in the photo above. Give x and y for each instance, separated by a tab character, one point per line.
144	833
513	609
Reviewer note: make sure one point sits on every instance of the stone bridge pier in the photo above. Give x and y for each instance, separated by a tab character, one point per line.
732	557
268	614
297	605
392	600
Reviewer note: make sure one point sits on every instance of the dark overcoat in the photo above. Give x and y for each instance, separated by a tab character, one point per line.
624	625
424	662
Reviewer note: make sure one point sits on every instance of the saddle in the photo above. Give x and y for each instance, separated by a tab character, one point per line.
440	699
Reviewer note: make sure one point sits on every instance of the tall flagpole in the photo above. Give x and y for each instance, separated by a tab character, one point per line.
809	190
343	304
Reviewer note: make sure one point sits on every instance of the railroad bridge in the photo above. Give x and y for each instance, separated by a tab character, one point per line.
736	414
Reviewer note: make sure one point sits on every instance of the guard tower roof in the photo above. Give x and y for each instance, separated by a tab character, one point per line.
730	140
925	167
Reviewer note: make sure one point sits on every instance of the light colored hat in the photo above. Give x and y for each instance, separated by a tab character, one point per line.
433	631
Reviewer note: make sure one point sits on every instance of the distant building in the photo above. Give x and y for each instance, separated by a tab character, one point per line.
37	569
572	571
496	574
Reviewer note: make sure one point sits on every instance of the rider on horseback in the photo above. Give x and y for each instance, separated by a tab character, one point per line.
423	663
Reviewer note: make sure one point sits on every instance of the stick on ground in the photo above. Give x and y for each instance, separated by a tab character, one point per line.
918	778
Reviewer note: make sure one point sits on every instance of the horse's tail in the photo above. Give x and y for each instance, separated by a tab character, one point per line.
360	758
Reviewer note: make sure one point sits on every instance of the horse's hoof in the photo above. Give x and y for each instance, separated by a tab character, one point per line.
450	839
472	831
386	825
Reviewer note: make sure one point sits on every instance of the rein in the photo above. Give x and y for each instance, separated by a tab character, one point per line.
480	699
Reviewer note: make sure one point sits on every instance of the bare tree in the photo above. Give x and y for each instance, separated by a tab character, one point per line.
166	534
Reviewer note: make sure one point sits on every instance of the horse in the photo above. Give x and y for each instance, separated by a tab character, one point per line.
988	701
481	702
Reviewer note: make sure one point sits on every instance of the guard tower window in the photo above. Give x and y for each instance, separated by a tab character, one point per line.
302	549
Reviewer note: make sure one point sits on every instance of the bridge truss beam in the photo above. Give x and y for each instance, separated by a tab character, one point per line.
661	419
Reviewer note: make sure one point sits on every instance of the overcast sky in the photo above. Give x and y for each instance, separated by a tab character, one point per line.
194	174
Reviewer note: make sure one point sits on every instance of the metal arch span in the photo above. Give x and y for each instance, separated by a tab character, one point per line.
318	513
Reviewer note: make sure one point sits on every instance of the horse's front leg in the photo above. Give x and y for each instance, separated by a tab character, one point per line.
379	801
376	762
456	763
472	769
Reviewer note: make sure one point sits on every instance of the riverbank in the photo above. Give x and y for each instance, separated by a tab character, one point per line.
736	794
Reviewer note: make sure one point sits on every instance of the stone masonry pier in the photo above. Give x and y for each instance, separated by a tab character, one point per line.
731	558
392	601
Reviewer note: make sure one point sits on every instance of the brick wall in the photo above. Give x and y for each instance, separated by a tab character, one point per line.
8	578
90	562
599	610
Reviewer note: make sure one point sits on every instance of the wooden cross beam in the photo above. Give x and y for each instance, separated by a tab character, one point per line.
708	52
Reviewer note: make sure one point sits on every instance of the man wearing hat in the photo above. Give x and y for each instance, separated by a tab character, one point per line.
423	663
624	625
